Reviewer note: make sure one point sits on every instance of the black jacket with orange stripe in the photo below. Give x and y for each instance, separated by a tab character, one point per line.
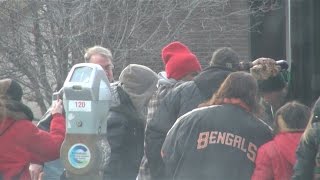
216	142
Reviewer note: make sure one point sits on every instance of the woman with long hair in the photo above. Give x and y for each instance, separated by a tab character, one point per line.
219	140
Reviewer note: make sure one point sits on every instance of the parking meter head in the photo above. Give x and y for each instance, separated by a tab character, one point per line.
87	99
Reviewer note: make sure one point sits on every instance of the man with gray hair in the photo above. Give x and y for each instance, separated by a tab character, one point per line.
96	55
103	57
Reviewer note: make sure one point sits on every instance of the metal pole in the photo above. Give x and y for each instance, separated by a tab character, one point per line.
288	34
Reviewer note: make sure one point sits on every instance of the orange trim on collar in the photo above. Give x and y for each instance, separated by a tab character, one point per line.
237	101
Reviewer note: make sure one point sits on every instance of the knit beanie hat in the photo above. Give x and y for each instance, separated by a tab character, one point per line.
225	57
11	89
139	82
179	60
268	75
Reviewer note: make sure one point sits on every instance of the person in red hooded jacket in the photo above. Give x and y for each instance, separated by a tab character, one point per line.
276	158
21	141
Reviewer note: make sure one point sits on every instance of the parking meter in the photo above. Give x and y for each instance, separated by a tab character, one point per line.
86	101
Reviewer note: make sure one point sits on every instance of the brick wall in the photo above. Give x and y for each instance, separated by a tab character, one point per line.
207	29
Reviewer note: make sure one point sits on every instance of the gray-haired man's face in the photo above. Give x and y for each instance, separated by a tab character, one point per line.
105	63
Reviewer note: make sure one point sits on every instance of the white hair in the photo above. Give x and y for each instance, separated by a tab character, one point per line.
97	50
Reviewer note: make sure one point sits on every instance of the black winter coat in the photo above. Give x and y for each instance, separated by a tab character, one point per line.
177	102
214	143
125	135
308	155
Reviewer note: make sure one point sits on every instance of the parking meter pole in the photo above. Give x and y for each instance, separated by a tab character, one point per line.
86	100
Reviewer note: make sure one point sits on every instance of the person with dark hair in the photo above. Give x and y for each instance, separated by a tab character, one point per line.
273	88
220	140
225	57
307	165
21	141
275	159
182	99
181	65
11	89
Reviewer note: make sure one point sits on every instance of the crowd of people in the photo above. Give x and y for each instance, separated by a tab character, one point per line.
186	122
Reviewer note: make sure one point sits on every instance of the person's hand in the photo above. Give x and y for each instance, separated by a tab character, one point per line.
57	107
36	171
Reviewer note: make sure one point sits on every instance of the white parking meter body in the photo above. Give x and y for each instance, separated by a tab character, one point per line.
86	99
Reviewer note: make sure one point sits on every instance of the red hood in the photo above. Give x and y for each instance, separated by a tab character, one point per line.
287	143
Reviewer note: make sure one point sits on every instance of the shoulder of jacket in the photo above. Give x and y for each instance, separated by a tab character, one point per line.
268	149
202	111
25	122
24	128
183	85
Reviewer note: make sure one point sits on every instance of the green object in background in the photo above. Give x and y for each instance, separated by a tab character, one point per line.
285	75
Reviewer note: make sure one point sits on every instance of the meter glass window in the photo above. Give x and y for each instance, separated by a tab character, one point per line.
81	74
